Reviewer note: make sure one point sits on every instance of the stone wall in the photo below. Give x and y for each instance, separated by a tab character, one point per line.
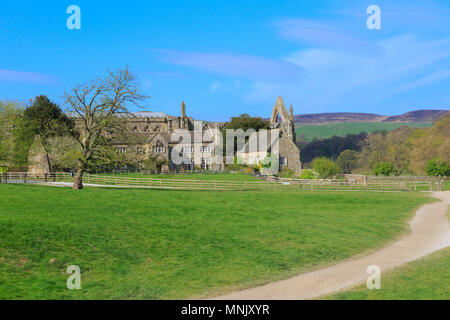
289	150
37	158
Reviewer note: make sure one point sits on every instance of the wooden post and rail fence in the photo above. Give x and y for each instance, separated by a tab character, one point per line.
268	183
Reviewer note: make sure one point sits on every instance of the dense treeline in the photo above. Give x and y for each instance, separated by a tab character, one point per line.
405	150
331	147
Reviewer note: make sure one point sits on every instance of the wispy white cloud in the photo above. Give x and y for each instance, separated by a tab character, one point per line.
339	63
236	65
216	85
429	79
223	86
333	76
321	34
27	77
167	74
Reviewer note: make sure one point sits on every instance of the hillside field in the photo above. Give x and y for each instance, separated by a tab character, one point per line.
425	279
165	244
321	131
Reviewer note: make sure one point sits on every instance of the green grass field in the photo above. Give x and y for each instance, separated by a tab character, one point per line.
160	244
321	131
424	279
193	176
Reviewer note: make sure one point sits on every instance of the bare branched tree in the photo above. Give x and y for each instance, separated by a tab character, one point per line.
98	106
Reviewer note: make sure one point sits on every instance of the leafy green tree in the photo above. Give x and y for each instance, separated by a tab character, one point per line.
429	143
46	119
10	122
347	161
63	152
437	167
325	167
374	149
244	122
398	149
383	168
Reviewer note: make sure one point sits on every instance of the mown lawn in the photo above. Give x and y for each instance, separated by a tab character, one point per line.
162	244
424	279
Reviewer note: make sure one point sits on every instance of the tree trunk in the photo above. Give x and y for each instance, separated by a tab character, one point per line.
78	180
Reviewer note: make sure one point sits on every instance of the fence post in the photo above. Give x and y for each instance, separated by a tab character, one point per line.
45	177
431	186
25	177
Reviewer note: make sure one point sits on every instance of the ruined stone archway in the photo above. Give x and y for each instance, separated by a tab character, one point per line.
279	110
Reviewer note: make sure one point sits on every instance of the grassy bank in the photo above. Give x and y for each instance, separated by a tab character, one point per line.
425	279
152	244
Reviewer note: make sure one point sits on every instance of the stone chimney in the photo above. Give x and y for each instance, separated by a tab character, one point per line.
291	112
183	110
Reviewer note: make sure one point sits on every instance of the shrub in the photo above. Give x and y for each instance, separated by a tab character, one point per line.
384	169
324	167
249	170
286	173
437	167
307	174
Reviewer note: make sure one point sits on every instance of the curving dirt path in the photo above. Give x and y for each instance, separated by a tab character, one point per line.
429	232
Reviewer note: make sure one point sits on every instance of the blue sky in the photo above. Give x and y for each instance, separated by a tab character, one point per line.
224	58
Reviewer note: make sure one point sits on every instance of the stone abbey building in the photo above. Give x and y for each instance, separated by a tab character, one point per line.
159	130
159	134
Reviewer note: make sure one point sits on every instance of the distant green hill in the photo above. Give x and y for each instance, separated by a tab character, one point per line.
321	131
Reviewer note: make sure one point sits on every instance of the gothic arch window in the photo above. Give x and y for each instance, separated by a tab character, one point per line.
279	110
286	125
